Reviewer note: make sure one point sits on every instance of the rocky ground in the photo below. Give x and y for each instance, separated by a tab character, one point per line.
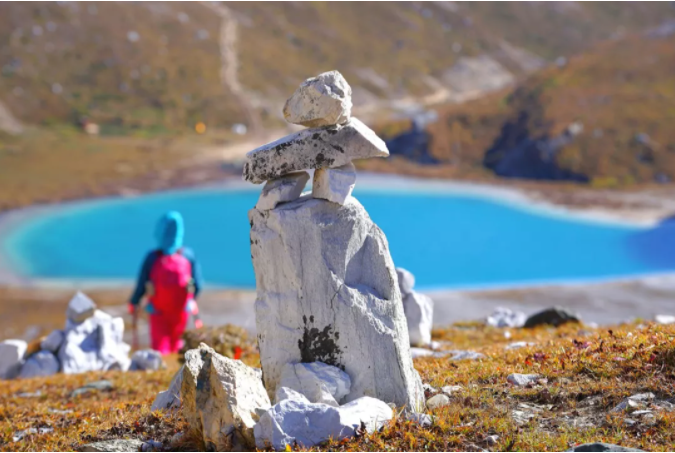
580	394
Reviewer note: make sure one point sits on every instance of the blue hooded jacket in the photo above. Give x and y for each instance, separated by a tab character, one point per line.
169	236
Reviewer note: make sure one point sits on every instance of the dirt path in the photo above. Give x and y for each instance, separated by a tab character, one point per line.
230	64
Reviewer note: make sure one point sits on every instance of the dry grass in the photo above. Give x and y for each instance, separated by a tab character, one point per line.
587	373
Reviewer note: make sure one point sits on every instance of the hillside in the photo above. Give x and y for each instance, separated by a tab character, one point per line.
604	117
155	68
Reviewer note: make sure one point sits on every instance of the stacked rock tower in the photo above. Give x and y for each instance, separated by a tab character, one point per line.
327	289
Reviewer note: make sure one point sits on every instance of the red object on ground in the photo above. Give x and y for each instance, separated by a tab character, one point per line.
237	353
170	276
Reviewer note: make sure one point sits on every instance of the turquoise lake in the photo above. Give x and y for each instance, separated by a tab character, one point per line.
447	240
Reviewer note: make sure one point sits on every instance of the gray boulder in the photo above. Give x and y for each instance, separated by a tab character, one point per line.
323	100
334	184
222	404
307	424
146	360
419	314
282	190
555	317
11	358
80	308
406	280
325	147
169	399
326	291
95	345
318	382
42	363
53	341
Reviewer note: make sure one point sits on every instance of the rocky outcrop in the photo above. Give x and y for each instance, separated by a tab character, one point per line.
327	291
298	421
220	399
170	399
323	100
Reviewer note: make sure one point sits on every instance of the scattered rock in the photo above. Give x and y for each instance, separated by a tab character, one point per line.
424	420
19	435
324	273
43	363
80	308
505	317
406	281
465	355
152	445
35	394
334	184
437	401
307	424
115	445
282	190
450	389
416	353
492	440
146	359
518	345
665	319
428	388
222	404
637	401
555	317
600	447
323	100
419	312
169	399
53	341
326	147
92	387
318	382
522	380
11	358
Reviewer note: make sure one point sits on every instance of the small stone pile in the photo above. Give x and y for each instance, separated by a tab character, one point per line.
91	341
418	308
335	138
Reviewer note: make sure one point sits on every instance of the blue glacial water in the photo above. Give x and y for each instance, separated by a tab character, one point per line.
447	240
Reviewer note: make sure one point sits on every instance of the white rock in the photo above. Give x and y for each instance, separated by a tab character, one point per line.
169	400
80	308
285	393
437	401
518	345
450	389
419	313
326	147
309	424
11	358
505	317
422	352
424	420
94	345
406	280
146	359
522	379
281	190
224	400
334	184
323	100
318	382
42	363
665	319
326	291
53	341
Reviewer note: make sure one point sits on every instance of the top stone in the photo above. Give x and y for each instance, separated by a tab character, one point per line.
80	308
324	100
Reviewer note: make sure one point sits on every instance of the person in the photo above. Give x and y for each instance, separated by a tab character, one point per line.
170	279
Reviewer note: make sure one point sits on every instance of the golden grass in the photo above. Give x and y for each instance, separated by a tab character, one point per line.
581	365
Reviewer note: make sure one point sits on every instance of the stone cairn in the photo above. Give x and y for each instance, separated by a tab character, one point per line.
91	341
332	332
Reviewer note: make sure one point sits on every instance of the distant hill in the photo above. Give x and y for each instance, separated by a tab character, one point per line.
155	68
604	117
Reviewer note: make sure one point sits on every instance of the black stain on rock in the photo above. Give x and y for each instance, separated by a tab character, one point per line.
319	345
